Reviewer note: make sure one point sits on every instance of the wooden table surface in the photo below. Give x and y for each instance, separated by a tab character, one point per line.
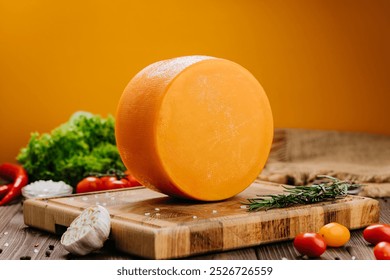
18	241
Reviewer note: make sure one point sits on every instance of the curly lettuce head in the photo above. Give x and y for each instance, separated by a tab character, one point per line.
86	143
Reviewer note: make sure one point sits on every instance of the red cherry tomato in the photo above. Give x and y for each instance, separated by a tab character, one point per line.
376	233
106	181
133	182
310	244
89	184
382	251
117	184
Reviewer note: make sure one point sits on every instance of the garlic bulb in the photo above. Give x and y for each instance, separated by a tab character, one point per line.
88	231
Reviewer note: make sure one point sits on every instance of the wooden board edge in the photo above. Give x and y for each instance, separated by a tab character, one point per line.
369	208
168	244
51	217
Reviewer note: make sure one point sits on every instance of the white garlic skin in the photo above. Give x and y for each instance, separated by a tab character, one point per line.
88	232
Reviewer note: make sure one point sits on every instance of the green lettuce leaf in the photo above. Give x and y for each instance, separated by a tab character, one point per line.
86	143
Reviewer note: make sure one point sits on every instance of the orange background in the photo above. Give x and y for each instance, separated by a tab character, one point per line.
324	64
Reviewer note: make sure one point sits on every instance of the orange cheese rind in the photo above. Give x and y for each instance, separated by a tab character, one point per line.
194	127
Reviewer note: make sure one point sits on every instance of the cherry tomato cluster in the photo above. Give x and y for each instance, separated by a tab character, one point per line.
379	235
103	182
314	244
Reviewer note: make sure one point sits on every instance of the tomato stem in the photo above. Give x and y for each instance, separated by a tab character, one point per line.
110	173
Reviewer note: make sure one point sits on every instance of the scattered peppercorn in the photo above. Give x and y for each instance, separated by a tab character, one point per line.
1	251
48	253
51	247
25	258
36	245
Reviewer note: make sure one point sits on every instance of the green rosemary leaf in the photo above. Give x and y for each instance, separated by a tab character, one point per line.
331	189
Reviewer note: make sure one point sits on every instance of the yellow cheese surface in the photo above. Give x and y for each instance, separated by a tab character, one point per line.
195	127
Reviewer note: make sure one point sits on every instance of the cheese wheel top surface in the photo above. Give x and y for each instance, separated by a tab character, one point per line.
195	127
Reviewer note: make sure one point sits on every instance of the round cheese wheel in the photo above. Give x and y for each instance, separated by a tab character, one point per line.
194	127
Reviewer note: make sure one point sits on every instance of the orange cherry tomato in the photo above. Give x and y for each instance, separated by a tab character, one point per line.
310	244
335	234
382	251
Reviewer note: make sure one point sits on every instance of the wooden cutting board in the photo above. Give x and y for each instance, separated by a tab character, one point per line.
151	225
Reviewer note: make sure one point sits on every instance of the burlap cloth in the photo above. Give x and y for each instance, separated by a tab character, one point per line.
298	156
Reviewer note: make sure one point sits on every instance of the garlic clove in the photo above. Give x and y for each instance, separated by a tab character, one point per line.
88	232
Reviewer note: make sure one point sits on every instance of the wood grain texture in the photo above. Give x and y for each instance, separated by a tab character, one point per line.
239	254
7	213
274	251
151	225
17	240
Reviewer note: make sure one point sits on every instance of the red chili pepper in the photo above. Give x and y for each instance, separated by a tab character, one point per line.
4	189
18	177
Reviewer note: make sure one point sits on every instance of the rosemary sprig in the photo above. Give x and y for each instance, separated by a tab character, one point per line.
330	190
